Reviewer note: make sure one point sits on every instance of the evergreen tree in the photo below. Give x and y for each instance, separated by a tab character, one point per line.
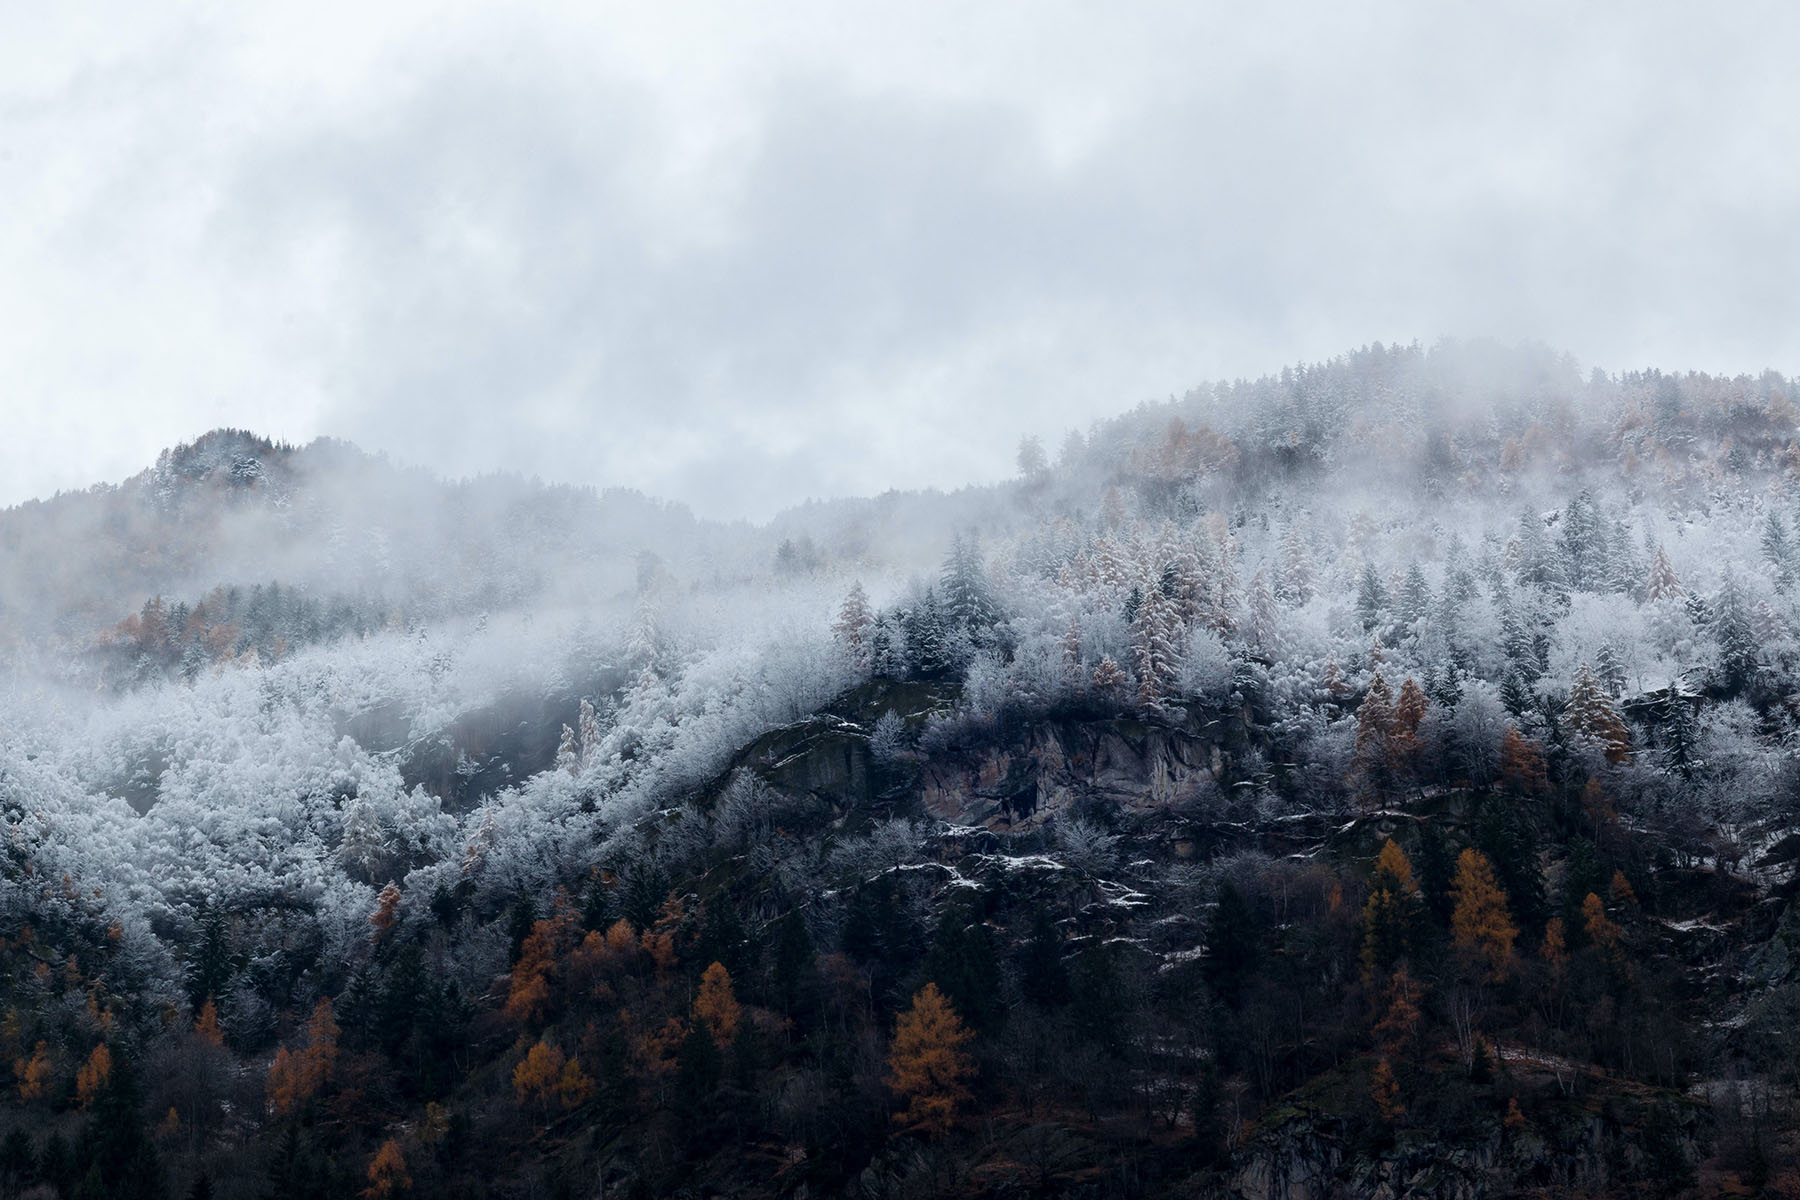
1739	667
1295	581
1042	976
853	629
1153	643
1776	547
1391	915
1263	630
963	963
967	601
1414	602
1591	714
1371	598
1231	945
1662	583
1373	764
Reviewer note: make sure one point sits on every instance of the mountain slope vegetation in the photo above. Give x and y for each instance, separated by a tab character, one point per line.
1377	776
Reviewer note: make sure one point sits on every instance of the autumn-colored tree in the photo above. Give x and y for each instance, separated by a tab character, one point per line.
1597	806
1555	947
1108	678
206	1025
1591	714
1515	1118
34	1073
573	1087
387	912
716	1005
387	1173
1398	1029
94	1075
1391	913
1601	931
538	1074
928	1065
1479	921
1372	765
1409	713
1522	763
296	1078
1384	1088
1620	891
528	994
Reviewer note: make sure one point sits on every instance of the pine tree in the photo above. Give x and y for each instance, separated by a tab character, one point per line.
928	1064
1263	630
1384	1089
1480	922
1403	740
1522	763
1109	680
1374	737
1677	731
1295	581
1391	915
1415	599
587	731
1371	597
1777	549
853	628
963	963
1071	655
968	603
1591	713
1153	644
1231	945
1739	653
1663	583
1042	977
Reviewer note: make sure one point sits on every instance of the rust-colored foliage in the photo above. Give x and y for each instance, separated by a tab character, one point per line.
296	1078
387	1173
1384	1089
1522	763
387	912
1555	947
1480	922
529	997
94	1075
206	1025
716	1006
928	1063
34	1074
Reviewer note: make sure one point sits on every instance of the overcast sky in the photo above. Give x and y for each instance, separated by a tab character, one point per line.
744	254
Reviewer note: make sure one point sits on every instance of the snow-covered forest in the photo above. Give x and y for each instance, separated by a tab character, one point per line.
288	727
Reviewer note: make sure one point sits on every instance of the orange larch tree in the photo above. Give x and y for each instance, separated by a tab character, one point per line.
716	1006
928	1063
387	1173
296	1078
94	1075
1480	922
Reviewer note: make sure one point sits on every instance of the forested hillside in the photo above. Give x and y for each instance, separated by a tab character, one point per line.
1379	776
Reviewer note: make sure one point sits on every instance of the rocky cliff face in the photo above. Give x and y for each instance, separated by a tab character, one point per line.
1599	1144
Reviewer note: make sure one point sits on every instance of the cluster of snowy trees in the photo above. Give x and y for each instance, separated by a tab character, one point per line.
1411	570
